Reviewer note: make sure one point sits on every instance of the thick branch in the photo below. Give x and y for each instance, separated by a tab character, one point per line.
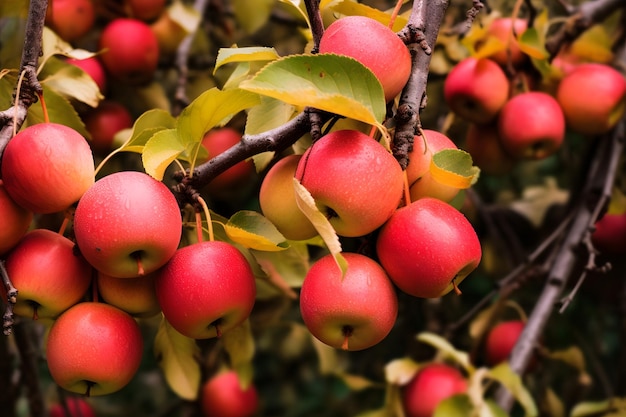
7	317
315	19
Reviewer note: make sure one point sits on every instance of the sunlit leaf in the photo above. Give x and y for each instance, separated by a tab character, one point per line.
60	110
184	15
455	406
71	82
285	269
176	355
350	8
591	408
401	371
254	231
454	168
446	349
247	54
240	346
594	44
145	127
357	382
298	8
532	44
552	405
575	358
489	46
160	151
537	199
252	14
512	381
328	357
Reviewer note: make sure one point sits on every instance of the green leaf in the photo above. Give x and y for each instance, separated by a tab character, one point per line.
247	54
160	151
71	82
145	127
184	15
297	8
286	269
591	408
239	344
329	82
460	405
254	231
252	14
454	168
401	371
445	348
512	381
60	110
176	355
351	8
532	44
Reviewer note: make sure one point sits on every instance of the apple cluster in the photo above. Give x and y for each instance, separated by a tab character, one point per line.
506	123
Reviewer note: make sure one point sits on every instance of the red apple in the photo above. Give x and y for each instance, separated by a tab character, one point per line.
501	339
380	50
352	312
136	296
593	98
432	384
476	89
93	67
48	275
428	248
77	407
278	200
507	30
531	125
484	144
15	221
354	180
104	122
47	167
609	235
206	289
146	10
70	19
94	349
127	224
223	395
131	50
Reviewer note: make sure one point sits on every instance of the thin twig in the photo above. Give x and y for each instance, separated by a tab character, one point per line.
7	317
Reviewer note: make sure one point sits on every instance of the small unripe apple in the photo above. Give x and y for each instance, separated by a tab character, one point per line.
47	167
531	125
428	248
501	339
206	289
94	349
375	46
476	89
146	10
70	19
432	384
136	296
77	407
223	395
609	235
354	180
507	30
484	144
593	98
278	200
93	67
131	50
350	312
127	224
104	122
15	221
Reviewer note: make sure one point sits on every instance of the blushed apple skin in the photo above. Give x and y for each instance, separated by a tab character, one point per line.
381	50
506	29
77	406
94	348
426	245
223	396
484	144
104	122
593	98
531	125
125	215
93	67
501	339
476	89
277	199
364	301
70	19
49	276
15	221
136	296
432	384
47	167
217	141
609	235
354	180
205	284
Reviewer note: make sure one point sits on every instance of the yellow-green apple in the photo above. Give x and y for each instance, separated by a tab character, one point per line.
421	181
609	235
206	289
381	50
356	183
593	98
476	89
15	221
506	30
146	10
104	122
428	248
223	395
93	67
483	143
136	296
130	50
350	312
73	407
127	224
47	167
531	125
70	19
277	199
48	275
501	339
169	34
94	349
432	384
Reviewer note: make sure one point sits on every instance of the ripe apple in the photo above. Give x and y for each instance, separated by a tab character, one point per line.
428	248
93	67
206	289
381	50
476	89
278	200
531	125
136	296
94	349
104	122
353	312
70	19
593	98
222	395
432	384
354	180
77	407
146	10
501	339
484	144
47	167
15	221
48	275
609	235
507	30
127	224
131	50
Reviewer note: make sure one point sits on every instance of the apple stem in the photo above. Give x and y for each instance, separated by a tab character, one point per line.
199	226
35	314
46	118
88	391
457	291
140	270
218	330
347	332
66	221
407	189
394	14
207	214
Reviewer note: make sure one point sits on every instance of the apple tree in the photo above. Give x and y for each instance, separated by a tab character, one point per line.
312	208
